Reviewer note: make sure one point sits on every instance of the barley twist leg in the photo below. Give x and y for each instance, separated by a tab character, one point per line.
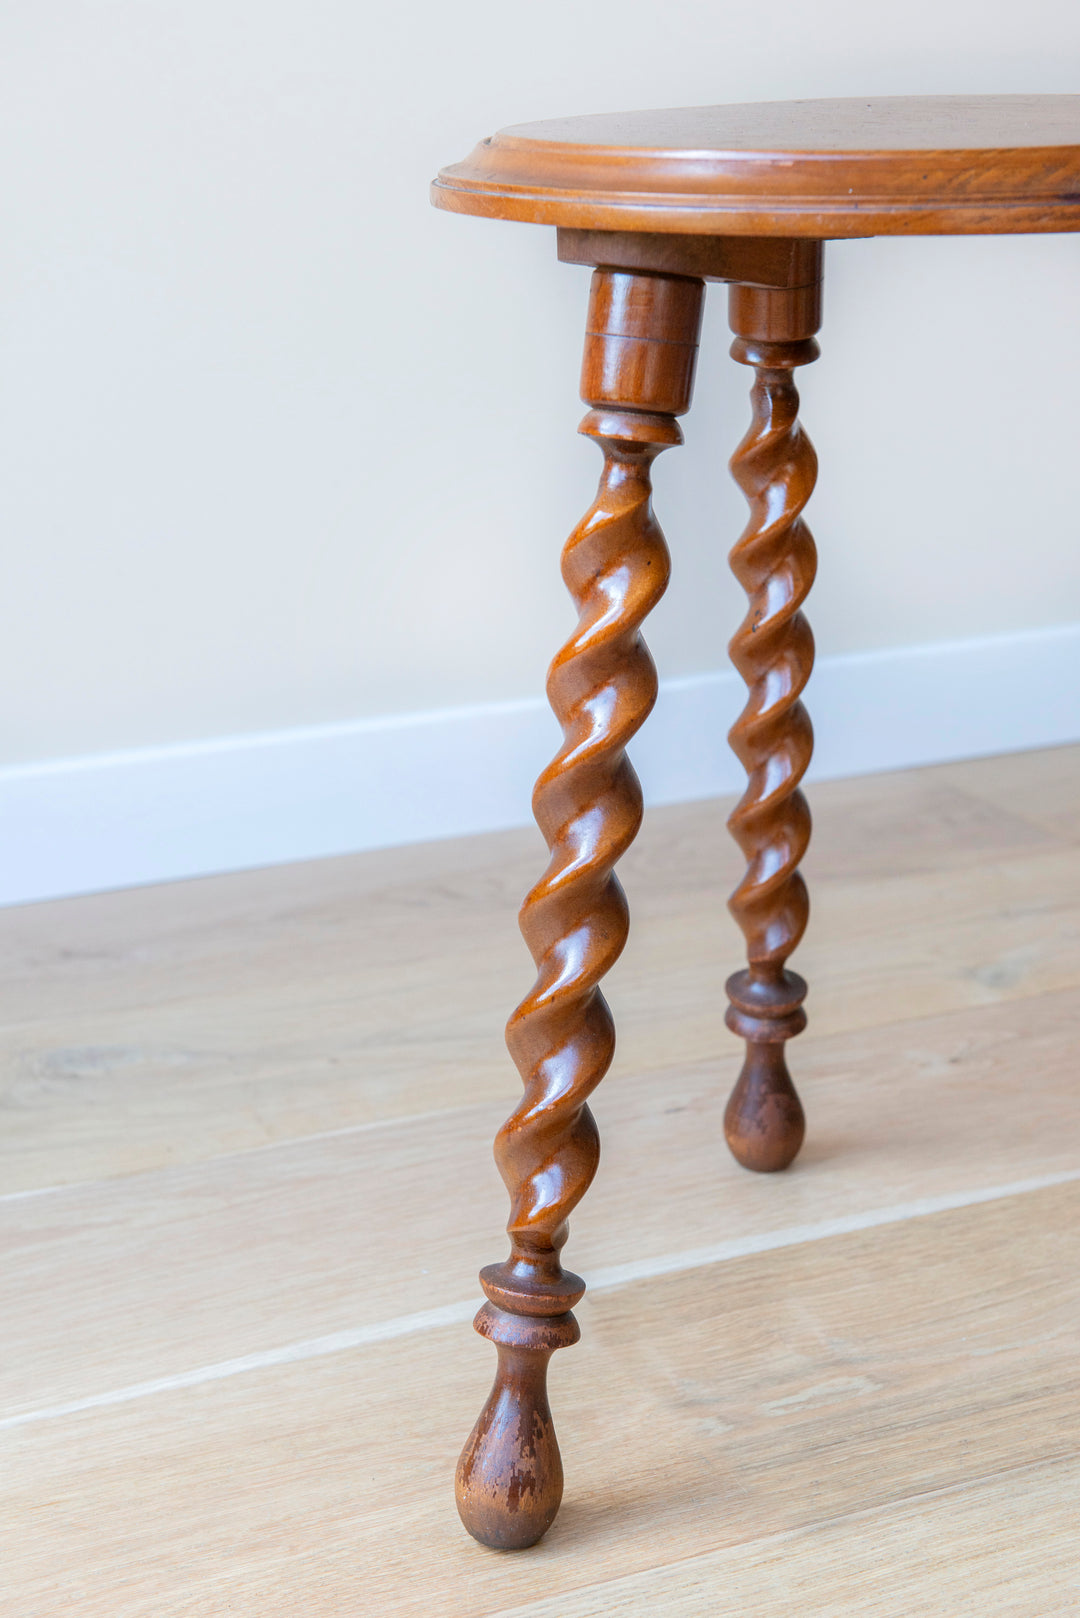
773	649
637	376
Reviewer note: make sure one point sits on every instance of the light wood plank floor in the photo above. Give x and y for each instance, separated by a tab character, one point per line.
246	1182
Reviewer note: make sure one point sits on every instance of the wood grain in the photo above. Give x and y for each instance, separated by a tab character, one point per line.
939	1553
902	165
157	1274
773	1395
1044	793
793	1426
166	1025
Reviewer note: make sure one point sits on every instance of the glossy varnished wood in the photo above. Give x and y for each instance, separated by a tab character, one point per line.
661	202
637	376
768	261
773	649
911	165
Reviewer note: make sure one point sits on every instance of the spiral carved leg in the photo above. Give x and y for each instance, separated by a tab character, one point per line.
774	560
637	376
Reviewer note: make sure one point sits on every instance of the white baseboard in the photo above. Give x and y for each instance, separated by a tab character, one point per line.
157	814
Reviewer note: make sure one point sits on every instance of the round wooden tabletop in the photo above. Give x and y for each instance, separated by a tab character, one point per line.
899	166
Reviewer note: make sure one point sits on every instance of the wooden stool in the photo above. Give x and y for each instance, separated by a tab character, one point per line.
659	203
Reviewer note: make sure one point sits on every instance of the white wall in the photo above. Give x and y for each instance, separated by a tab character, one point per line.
282	446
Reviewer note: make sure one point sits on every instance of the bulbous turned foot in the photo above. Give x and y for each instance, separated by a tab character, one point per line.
510	1479
764	1123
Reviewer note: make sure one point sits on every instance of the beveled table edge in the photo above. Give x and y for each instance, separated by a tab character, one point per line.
819	218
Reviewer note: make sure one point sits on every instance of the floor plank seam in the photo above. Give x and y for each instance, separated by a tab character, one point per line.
820	1525
617	1275
243	1151
691	1065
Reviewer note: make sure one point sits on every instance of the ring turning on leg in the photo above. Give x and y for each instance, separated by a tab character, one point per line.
637	377
773	649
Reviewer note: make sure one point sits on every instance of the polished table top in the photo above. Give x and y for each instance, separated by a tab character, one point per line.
907	165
